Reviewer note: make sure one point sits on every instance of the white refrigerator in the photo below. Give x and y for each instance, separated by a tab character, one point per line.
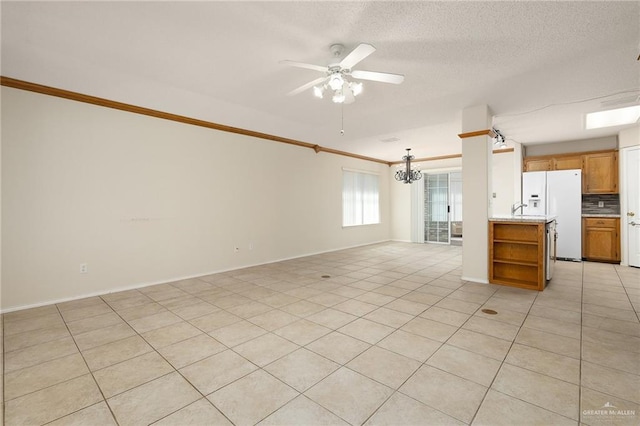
557	193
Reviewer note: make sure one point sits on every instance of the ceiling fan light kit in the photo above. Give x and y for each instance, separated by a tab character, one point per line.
356	88
337	75
335	80
338	97
343	89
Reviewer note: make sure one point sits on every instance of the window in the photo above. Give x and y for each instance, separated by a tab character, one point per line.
360	198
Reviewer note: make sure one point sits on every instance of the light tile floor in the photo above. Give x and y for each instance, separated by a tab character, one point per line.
393	336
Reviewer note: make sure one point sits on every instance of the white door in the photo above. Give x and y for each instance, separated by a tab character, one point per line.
632	215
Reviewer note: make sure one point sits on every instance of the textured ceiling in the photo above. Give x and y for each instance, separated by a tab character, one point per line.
538	65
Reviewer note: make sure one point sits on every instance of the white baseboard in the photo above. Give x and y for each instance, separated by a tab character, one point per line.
475	280
173	279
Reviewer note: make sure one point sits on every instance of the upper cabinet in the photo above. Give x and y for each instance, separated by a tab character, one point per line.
537	165
568	162
600	173
558	162
599	169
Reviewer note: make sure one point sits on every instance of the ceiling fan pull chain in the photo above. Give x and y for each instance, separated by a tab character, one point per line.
342	118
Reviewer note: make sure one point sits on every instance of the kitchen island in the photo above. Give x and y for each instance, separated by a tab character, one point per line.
521	250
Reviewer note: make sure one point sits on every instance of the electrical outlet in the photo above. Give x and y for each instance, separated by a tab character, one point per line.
600	203
84	268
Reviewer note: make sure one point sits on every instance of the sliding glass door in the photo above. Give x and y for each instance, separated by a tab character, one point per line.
436	200
443	207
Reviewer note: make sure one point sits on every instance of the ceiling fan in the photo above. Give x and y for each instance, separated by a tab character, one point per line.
336	74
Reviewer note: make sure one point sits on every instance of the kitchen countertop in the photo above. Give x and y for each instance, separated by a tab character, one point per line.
521	218
599	215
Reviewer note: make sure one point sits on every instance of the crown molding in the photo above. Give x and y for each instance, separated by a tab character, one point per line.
93	100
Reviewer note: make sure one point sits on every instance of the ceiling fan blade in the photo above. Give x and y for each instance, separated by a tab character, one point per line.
307	86
359	53
383	77
303	65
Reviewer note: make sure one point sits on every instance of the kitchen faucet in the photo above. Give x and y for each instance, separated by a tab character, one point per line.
517	206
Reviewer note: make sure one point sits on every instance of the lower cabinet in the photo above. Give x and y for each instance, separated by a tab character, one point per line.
601	239
516	254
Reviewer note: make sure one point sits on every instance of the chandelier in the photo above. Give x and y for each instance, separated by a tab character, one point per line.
407	174
343	89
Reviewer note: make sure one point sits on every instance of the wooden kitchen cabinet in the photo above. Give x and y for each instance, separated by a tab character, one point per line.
601	239
555	162
537	165
516	254
599	169
568	162
600	173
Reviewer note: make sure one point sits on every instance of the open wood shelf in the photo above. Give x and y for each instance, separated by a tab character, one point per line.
516	283
516	254
533	243
516	262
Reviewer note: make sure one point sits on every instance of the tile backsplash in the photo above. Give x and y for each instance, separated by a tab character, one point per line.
611	203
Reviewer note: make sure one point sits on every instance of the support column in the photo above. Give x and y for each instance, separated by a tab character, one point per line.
477	150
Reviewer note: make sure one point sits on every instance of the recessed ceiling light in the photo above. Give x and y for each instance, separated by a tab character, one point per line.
613	117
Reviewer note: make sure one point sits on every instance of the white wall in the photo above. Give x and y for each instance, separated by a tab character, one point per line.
400	209
143	200
504	182
477	174
629	137
517	172
583	145
1	413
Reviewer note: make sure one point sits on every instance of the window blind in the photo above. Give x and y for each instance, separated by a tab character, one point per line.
360	198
